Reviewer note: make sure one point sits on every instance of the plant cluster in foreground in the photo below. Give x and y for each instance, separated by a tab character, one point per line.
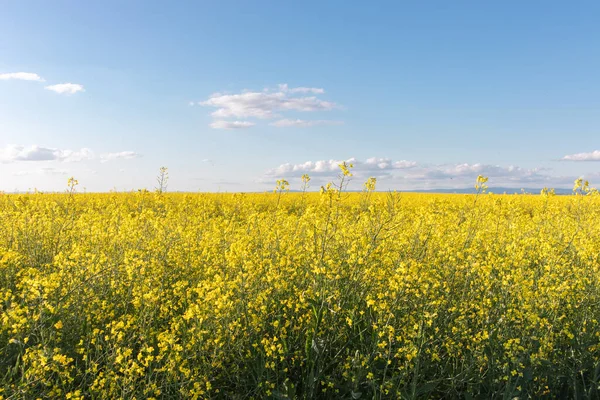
361	295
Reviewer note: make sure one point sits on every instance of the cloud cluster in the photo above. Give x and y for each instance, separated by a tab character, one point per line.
330	168
591	156
267	104
60	88
17	153
407	175
512	176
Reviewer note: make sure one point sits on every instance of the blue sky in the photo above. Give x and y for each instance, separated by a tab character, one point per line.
231	95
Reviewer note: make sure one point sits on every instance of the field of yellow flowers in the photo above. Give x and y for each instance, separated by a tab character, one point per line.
299	295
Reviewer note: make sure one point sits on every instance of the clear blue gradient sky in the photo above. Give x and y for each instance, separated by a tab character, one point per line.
231	95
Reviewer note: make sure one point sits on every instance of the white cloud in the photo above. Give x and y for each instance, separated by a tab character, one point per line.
262	105
300	123
266	104
220	124
13	153
23	76
592	156
409	175
123	155
66	88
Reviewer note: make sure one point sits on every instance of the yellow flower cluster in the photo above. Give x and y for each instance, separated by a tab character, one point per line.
300	295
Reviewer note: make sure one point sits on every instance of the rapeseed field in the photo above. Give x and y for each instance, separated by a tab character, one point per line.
300	295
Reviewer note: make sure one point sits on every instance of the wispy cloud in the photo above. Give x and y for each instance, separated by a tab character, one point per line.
226	183
220	124
42	171
266	104
13	153
591	156
22	76
53	171
121	155
66	88
283	87
301	123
